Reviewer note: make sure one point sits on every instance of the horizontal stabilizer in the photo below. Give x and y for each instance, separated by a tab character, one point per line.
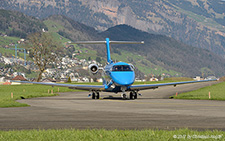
89	42
126	42
111	42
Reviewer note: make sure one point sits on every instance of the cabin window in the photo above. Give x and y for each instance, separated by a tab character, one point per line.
122	68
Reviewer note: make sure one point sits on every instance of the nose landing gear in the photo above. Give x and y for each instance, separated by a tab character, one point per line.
124	96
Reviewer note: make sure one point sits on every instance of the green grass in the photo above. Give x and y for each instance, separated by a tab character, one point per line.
53	26
7	51
84	55
7	40
59	38
117	135
25	91
217	92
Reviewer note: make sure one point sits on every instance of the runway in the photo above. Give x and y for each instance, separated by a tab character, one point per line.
151	111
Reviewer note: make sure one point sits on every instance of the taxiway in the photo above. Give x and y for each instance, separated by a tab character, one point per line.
154	110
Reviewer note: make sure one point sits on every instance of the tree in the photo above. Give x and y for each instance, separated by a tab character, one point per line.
98	59
69	80
44	50
89	58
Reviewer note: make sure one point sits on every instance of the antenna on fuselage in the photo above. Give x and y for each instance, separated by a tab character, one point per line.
107	42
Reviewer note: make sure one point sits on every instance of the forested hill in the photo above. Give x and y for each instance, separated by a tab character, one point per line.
199	23
167	52
160	54
17	24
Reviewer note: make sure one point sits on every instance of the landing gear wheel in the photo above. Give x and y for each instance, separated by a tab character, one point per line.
135	95
93	95
131	95
97	95
124	96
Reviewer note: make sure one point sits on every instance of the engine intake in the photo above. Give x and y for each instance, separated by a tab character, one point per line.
93	68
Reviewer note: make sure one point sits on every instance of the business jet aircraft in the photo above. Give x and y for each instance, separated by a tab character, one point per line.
117	77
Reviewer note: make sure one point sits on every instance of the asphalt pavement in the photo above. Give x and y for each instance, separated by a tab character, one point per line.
152	110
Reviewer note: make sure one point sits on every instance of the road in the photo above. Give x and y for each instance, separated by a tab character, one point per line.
154	110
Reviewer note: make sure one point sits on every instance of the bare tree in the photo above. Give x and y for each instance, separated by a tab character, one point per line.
44	50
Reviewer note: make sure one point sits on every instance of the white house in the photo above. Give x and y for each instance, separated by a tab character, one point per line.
2	79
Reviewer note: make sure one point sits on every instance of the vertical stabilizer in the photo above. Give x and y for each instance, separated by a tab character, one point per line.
108	51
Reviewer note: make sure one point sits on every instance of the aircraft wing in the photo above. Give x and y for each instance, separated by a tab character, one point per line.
71	86
154	86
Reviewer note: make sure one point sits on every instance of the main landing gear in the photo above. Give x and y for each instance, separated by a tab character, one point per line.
133	95
95	95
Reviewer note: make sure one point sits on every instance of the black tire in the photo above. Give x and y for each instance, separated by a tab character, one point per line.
93	95
97	95
135	95
124	96
131	95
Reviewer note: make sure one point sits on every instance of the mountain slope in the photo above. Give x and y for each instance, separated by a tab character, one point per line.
199	23
17	24
169	53
159	54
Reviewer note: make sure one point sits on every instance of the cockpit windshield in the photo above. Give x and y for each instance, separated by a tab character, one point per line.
121	68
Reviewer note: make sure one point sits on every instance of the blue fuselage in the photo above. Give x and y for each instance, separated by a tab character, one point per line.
119	74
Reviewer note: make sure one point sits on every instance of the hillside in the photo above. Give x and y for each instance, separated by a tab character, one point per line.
159	54
19	25
168	53
61	26
198	23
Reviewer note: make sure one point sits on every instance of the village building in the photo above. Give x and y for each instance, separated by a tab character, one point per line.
18	78
48	80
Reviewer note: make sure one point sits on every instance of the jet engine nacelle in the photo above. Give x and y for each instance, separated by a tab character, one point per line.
93	68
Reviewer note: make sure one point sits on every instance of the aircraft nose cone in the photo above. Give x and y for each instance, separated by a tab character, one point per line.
123	78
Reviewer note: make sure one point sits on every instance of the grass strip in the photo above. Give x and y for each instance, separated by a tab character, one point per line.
217	92
26	91
118	135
